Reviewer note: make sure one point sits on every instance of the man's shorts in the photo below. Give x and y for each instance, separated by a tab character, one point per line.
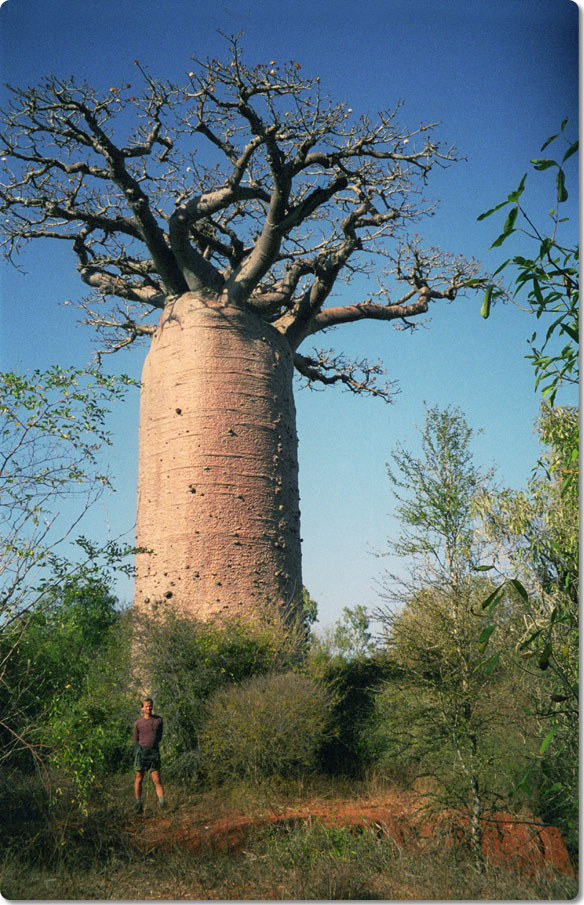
146	759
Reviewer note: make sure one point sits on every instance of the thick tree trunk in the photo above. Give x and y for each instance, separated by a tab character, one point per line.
218	502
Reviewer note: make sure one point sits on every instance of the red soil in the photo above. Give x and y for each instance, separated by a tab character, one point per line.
520	842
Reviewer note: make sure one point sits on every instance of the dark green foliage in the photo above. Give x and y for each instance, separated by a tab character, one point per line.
539	528
90	727
62	636
46	654
56	611
45	834
354	684
418	736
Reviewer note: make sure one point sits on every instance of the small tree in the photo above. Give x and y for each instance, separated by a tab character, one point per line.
538	530
52	431
430	618
349	638
352	637
54	425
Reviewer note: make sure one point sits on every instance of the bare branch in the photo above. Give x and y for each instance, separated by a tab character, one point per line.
247	183
357	377
346	314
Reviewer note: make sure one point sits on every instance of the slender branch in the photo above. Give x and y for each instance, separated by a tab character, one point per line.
358	377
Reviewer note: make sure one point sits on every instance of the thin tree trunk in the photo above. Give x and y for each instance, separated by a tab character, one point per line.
476	831
218	503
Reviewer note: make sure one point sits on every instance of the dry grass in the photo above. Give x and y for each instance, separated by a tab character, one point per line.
63	855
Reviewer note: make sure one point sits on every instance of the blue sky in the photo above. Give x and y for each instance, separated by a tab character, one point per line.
499	76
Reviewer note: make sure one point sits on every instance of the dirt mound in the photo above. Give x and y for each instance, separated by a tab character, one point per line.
523	843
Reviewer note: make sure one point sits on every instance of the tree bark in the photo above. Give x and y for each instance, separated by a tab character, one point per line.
218	503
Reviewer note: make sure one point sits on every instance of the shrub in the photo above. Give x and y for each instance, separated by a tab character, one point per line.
183	661
354	684
48	655
269	725
89	729
413	735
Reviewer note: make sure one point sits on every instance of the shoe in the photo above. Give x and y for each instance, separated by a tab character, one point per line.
138	806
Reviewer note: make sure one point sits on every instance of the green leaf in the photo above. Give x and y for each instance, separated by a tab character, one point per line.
504	235
572	333
561	186
541	164
556	787
571	150
484	568
510	221
501	267
531	638
537	292
486	306
514	196
548	141
498	207
547	740
486	634
523	784
492	662
519	588
488	664
493	598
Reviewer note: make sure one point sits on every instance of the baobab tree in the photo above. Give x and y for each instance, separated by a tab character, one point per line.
217	218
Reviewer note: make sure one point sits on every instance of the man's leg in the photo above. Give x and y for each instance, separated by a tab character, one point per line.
138	790
158	786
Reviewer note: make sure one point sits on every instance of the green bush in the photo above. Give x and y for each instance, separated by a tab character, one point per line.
182	661
353	684
46	654
269	725
413	735
90	726
398	738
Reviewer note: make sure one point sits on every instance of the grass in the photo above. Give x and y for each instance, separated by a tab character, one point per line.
57	853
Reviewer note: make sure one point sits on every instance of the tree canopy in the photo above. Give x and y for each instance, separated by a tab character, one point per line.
244	183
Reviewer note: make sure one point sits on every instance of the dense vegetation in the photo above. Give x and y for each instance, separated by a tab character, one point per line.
448	699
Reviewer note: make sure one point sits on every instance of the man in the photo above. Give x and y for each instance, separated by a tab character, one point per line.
147	735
